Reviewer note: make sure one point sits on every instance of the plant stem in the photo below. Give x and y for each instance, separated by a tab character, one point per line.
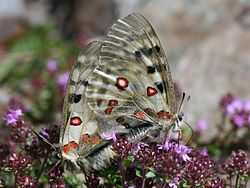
42	167
144	179
230	180
237	180
122	172
16	175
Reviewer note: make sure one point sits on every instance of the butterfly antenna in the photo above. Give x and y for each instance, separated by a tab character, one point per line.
55	166
44	139
181	103
192	132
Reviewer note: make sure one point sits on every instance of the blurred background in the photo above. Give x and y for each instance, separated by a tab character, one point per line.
207	44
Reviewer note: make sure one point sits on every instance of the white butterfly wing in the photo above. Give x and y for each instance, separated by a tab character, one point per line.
82	132
78	119
133	78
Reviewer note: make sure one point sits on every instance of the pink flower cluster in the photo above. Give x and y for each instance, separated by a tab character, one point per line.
238	110
13	116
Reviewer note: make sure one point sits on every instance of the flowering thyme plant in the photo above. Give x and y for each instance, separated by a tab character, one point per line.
28	161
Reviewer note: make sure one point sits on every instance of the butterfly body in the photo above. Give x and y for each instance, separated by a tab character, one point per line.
123	85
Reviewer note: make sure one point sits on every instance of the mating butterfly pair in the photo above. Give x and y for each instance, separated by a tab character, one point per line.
123	85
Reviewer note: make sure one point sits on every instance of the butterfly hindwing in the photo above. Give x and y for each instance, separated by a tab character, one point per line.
82	132
133	78
78	118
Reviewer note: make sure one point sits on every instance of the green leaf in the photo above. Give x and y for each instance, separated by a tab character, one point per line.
138	173
150	174
8	169
128	161
72	181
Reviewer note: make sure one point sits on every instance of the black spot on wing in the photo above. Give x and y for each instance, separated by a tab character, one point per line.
157	48
77	98
159	86
151	69
138	54
150	51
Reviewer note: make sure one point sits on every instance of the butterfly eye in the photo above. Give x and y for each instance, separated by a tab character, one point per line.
180	117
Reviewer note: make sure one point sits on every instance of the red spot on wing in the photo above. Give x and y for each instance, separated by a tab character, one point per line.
69	146
96	140
168	115
113	102
85	138
121	83
108	110
139	114
75	121
151	91
160	113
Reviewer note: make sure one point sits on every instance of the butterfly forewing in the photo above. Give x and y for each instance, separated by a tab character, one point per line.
133	78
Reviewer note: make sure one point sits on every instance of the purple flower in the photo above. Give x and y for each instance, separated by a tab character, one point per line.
44	132
214	182
178	148
92	181
201	125
122	146
35	148
145	154
13	116
246	105
55	174
199	169
203	151
63	79
238	163
238	120
18	162
60	184
109	136
234	107
26	181
167	145
172	185
52	66
183	150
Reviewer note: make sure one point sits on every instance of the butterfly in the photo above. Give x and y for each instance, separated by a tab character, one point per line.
124	85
